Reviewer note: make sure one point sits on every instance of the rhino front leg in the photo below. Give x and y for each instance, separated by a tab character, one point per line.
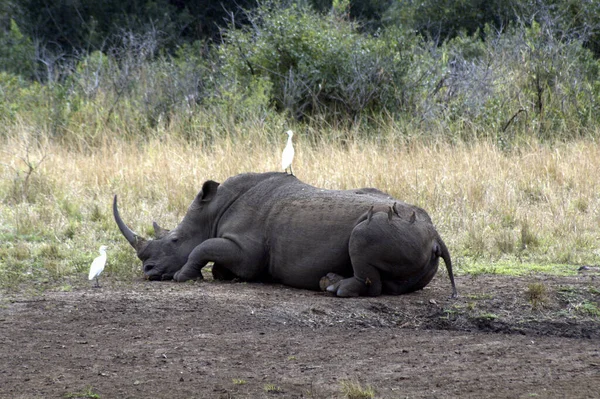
217	250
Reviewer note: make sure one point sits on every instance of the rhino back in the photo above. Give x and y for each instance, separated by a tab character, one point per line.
304	230
296	231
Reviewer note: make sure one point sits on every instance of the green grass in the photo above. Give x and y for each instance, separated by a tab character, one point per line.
272	388
512	267
88	393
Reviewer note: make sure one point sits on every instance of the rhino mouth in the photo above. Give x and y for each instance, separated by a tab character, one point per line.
154	277
153	274
158	276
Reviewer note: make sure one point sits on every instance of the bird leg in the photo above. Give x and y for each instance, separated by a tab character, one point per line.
97	283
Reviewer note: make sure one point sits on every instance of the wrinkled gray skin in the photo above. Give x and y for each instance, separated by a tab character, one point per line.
273	227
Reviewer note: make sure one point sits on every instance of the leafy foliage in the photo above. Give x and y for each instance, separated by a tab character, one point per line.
16	52
488	69
315	63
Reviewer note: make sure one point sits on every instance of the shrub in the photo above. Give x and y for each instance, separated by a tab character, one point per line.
316	64
16	52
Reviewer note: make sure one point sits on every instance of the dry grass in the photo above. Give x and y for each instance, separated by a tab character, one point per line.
536	294
535	205
352	389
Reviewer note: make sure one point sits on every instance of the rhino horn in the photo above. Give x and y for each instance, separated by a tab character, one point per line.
159	232
137	242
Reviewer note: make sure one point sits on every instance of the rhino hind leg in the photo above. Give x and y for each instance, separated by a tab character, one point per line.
365	282
353	287
399	287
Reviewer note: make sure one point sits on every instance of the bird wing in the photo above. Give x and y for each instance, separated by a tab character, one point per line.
97	267
287	157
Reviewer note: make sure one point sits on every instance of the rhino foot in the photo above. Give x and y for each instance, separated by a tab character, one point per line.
182	277
176	277
329	280
346	287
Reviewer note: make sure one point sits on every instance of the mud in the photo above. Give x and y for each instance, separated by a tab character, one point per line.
244	340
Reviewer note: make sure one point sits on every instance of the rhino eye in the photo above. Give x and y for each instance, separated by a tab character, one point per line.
174	239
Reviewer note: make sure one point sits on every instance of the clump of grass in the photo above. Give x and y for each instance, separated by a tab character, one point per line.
352	389
581	204
70	230
536	294
239	381
528	237
50	251
20	251
88	393
96	215
588	308
474	243
272	388
487	316
505	242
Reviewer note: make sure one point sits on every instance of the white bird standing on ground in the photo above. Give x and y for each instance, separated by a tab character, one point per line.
288	154
98	265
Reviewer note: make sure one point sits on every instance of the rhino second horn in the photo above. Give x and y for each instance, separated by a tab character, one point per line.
159	232
137	242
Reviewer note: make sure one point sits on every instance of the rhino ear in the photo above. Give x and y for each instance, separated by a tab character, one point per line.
159	232
209	190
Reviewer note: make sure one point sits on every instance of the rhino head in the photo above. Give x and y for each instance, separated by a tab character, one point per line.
164	255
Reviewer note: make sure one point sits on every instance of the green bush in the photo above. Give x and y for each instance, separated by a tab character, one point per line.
317	64
16	52
543	85
535	77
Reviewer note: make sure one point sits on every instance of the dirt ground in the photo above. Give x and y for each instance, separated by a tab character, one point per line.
501	338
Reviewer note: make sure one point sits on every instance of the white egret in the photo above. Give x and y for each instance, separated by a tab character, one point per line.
288	154
98	265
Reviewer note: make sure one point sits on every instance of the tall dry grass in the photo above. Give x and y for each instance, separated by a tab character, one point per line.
533	206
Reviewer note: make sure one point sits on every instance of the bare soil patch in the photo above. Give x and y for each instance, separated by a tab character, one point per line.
242	340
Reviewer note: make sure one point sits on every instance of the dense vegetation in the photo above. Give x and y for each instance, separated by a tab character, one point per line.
80	71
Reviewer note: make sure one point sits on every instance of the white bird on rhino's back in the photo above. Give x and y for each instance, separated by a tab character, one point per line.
288	153
98	265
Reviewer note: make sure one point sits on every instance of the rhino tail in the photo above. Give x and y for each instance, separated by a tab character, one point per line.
440	250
